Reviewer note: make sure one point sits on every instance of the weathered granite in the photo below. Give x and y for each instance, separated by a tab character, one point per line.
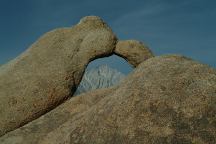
133	51
47	73
167	99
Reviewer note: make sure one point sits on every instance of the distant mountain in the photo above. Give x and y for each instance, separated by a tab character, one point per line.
99	77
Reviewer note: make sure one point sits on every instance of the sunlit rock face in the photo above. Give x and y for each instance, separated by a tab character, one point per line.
46	74
99	77
165	100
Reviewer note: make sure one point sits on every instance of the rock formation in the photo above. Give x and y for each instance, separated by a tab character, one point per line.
166	99
48	72
99	77
133	51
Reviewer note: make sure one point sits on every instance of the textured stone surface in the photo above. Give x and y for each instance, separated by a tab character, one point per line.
43	76
133	51
37	130
99	77
166	99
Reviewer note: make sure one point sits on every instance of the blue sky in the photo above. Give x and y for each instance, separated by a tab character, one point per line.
186	27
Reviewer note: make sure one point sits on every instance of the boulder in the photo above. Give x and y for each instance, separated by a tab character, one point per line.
48	72
133	51
166	99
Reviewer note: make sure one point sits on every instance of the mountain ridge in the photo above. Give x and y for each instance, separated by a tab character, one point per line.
101	76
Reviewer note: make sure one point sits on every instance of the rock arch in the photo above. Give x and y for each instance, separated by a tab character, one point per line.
133	51
42	77
103	73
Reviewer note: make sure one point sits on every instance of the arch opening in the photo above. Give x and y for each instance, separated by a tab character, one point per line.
103	72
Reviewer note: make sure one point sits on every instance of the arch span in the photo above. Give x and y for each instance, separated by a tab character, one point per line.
103	73
42	77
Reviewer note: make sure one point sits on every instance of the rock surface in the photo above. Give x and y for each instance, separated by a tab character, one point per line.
43	76
99	77
167	99
133	51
